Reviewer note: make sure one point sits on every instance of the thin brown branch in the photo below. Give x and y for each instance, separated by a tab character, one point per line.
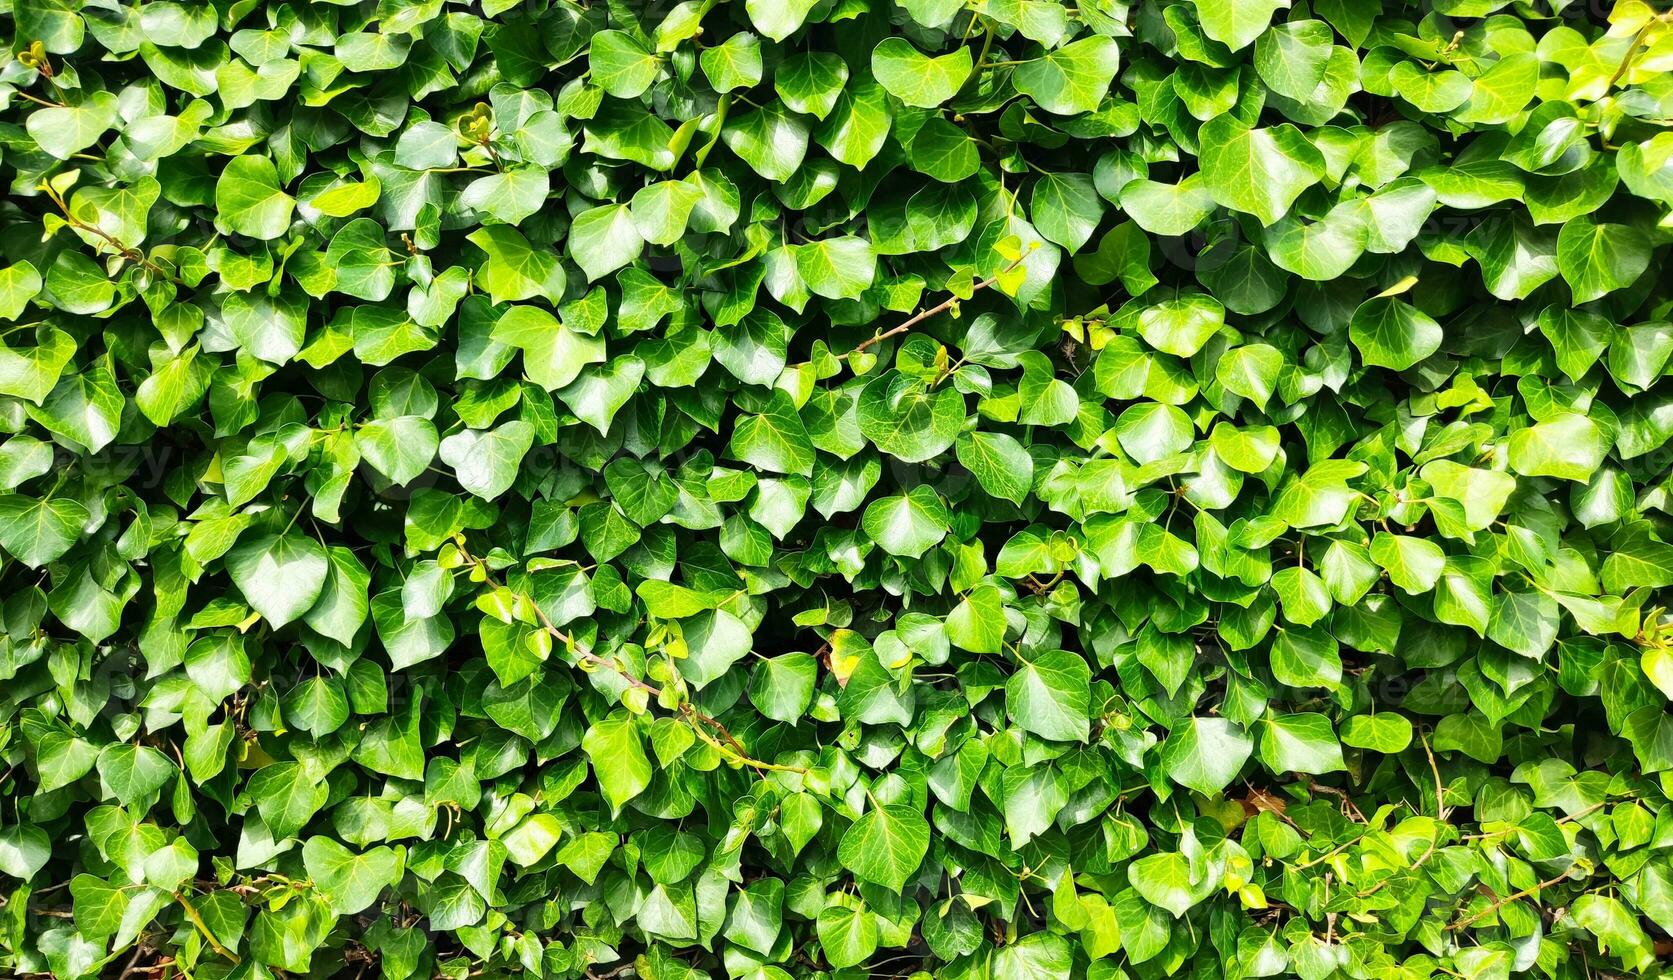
941	307
123	249
1348	807
132	966
1501	903
700	722
1578	814
721	730
1441	809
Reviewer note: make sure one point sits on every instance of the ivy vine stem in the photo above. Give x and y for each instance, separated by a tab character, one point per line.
705	726
128	252
1501	903
203	929
941	307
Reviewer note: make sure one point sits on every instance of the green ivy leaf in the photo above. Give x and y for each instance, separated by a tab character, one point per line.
486	461
1236	25
1205	754
280	575
1072	79
886	845
621	65
915	78
1598	258
249	200
907	524
1048	696
1257	171
351	881
39	531
1301	742
774	440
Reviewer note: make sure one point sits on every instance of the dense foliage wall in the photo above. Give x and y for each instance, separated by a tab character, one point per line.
787	488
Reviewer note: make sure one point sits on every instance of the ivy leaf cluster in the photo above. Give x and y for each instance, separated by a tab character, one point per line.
832	488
